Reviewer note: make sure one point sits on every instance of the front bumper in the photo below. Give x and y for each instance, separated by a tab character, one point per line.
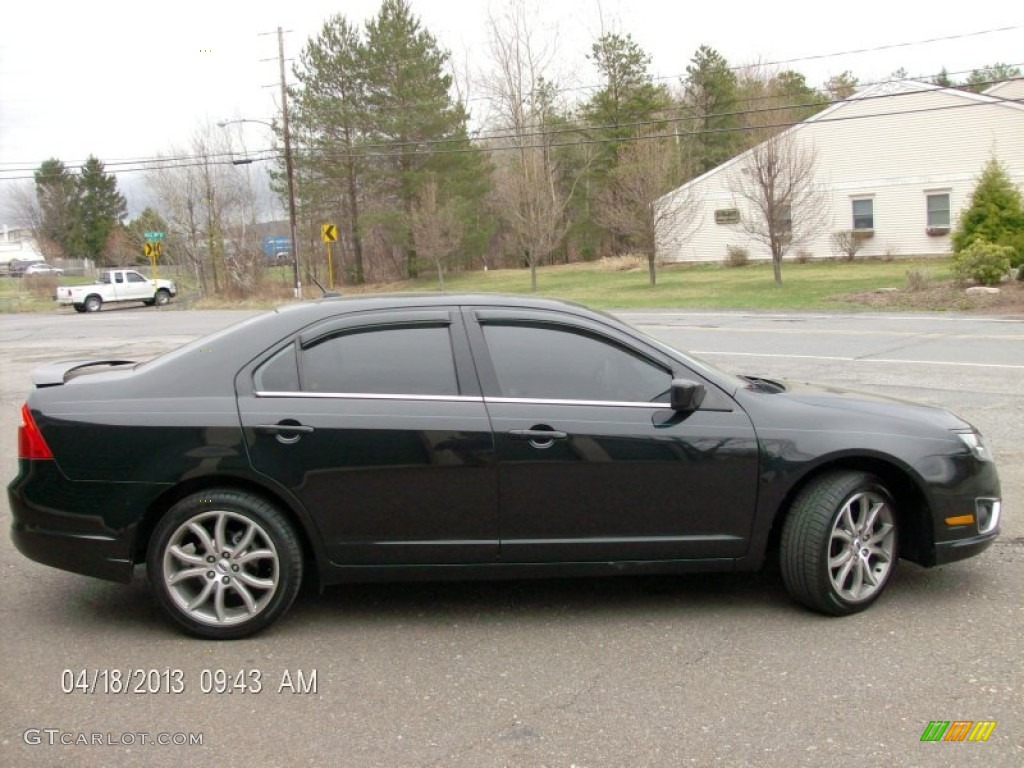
961	549
971	538
966	515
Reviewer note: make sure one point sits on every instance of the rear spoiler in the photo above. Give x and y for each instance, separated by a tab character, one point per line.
52	374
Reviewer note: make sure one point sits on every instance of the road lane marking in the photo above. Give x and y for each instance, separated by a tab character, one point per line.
839	332
708	352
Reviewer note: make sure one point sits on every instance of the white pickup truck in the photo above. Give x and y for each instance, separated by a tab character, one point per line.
117	285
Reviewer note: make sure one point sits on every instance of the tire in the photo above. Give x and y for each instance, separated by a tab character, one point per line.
93	303
162	297
79	307
839	543
224	564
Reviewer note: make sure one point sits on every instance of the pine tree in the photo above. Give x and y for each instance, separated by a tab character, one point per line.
994	212
984	78
100	207
628	96
627	106
710	101
57	191
417	129
330	119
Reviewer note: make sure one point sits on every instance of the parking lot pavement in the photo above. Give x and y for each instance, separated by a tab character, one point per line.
709	670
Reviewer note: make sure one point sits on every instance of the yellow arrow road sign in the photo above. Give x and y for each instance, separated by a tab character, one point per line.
328	233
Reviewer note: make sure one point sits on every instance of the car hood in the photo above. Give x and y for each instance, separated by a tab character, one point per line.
836	401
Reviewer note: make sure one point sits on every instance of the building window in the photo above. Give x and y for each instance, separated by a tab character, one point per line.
864	214
938	210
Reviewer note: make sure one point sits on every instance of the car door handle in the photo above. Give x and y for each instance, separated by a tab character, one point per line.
539	435
272	429
284	432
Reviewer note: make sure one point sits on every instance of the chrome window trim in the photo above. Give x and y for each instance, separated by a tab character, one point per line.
373	396
548	401
462	399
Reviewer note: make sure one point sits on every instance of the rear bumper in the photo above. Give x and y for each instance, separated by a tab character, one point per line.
104	557
82	527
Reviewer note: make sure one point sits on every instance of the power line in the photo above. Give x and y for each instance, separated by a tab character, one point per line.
186	161
584	128
738	68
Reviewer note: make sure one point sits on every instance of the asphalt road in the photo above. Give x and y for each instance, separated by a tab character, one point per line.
721	670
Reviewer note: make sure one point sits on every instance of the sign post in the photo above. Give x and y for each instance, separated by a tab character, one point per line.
329	233
153	247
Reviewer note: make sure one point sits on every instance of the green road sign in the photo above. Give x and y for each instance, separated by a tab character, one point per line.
154	235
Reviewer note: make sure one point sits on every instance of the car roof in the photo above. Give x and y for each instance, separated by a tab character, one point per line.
361	302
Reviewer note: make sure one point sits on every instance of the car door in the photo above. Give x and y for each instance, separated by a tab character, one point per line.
376	424
593	463
135	287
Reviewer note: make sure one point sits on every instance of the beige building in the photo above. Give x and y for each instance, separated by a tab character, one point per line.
896	163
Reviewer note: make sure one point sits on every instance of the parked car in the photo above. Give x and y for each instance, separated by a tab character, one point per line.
42	268
446	436
16	267
116	285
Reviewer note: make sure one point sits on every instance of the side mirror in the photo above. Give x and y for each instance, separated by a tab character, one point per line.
687	395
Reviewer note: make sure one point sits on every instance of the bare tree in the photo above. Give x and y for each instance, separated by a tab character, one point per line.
532	192
785	207
436	228
647	168
210	206
21	207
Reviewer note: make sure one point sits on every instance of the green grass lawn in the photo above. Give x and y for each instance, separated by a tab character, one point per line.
811	286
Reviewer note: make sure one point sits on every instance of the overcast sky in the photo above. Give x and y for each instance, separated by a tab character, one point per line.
130	79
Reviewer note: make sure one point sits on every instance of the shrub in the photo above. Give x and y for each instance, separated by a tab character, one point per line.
846	243
803	256
995	212
737	256
983	261
918	279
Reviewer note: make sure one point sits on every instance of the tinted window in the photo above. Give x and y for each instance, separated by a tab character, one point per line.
279	374
135	277
390	361
554	364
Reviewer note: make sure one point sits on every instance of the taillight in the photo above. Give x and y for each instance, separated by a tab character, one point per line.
31	444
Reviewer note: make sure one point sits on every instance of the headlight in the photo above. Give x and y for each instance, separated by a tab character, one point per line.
976	444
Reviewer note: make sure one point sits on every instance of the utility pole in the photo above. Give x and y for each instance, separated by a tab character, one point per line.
289	167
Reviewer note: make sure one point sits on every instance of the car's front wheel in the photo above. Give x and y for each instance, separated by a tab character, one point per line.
162	297
224	564
839	543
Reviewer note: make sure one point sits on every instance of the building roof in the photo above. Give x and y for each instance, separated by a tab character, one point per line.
879	92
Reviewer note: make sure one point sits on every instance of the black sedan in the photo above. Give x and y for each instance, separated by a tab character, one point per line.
423	437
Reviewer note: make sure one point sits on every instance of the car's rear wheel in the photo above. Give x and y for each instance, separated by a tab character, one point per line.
839	543
224	564
162	297
93	303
